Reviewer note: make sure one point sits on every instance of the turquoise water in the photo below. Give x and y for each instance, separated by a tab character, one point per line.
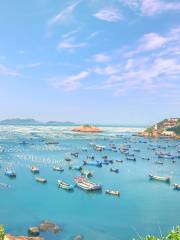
144	206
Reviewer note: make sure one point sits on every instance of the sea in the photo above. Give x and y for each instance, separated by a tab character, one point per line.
143	207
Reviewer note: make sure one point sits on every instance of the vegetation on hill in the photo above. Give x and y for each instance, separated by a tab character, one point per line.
175	129
2	232
172	235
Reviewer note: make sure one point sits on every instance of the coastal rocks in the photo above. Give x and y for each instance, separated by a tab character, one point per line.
49	226
10	237
33	231
78	237
86	128
43	227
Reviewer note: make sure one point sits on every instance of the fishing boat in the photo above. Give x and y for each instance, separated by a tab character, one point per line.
78	168
5	185
159	162
86	173
111	192
146	158
75	154
58	169
131	159
10	173
34	170
41	180
158	178
84	184
116	170
177	186
107	161
119	161
90	157
166	156
136	150
64	185
93	163
52	143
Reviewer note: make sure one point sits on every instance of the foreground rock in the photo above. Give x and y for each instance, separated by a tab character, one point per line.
78	237
33	231
86	128
48	226
10	237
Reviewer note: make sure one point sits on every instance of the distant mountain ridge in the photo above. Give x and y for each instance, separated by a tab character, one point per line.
31	121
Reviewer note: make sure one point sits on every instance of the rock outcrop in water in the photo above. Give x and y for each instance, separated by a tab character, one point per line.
44	227
86	128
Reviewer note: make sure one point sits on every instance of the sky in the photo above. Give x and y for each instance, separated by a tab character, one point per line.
90	61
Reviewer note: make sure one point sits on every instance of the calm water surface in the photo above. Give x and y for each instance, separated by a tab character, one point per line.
144	206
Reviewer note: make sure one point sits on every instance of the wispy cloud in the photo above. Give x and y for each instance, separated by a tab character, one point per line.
68	44
6	71
153	66
152	7
109	15
64	15
69	83
101	58
34	65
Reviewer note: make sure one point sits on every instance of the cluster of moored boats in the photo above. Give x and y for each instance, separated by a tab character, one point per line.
83	182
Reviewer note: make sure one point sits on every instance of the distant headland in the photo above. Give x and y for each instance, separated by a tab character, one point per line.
167	128
33	122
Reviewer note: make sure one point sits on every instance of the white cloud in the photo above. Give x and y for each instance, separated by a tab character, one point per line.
153	66
4	70
101	58
34	65
70	45
152	7
21	52
63	15
109	15
69	83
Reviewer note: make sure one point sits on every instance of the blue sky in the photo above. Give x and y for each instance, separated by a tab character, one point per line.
97	61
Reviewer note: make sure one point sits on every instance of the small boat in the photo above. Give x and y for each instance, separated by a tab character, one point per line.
131	159
119	161
64	185
84	184
78	168
146	158
105	157
86	173
90	157
107	161
75	154
10	173
68	159
111	192
58	169
34	170
158	178
136	150
5	185
159	162
116	170
41	180
93	163
52	142
177	186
